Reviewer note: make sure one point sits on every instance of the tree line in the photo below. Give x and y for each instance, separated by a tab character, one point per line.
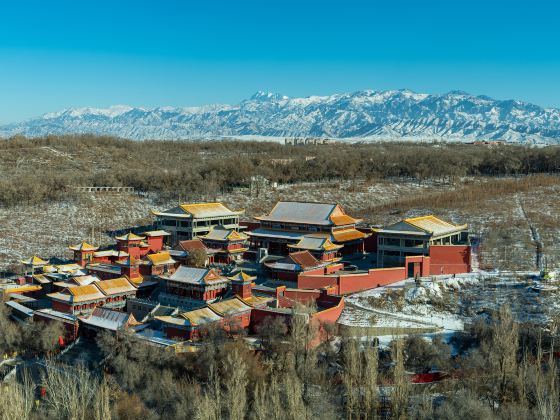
41	169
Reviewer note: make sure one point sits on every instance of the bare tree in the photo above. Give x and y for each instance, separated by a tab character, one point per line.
351	377
206	407
400	391
546	387
235	385
260	403
70	391
503	352
102	401
369	381
16	400
293	392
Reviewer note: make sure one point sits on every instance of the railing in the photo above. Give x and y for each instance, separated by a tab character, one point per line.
104	189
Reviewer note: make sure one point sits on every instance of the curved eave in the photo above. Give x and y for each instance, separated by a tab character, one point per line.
174	215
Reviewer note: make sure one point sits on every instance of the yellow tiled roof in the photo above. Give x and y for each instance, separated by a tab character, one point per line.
157	233
82	293
201	316
40	278
242	277
258	300
166	319
206	209
315	242
348	235
136	281
129	237
83	246
343	219
85	280
161	258
433	224
110	253
229	306
118	285
34	260
67	267
26	288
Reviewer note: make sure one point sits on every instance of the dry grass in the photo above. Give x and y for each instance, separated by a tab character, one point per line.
468	196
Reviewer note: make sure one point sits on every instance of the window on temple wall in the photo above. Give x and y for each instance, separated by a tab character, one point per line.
392	253
392	241
413	242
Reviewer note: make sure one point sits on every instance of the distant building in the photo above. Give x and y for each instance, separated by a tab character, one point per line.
414	236
104	319
157	264
295	264
227	244
84	299
188	221
33	265
191	287
193	245
302	225
83	253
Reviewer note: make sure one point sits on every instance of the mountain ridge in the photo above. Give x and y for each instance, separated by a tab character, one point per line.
365	115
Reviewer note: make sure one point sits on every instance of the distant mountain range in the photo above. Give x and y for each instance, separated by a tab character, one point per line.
363	115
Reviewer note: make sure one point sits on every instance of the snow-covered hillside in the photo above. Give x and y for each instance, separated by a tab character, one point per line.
359	115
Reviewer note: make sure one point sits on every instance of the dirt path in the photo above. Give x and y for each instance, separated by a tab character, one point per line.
395	316
535	236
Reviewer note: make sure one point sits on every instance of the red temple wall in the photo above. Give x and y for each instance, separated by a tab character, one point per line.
240	320
450	259
373	278
174	332
61	307
303	296
331	314
250	226
420	263
155	243
259	315
348	283
316	281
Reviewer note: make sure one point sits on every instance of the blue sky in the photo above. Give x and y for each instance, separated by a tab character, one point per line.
61	54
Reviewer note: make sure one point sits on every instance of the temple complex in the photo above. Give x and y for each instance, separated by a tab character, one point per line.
144	281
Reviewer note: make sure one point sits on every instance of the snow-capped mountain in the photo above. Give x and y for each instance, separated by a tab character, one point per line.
359	115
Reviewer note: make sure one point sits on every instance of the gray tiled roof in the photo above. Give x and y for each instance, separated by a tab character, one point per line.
106	319
299	212
190	275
